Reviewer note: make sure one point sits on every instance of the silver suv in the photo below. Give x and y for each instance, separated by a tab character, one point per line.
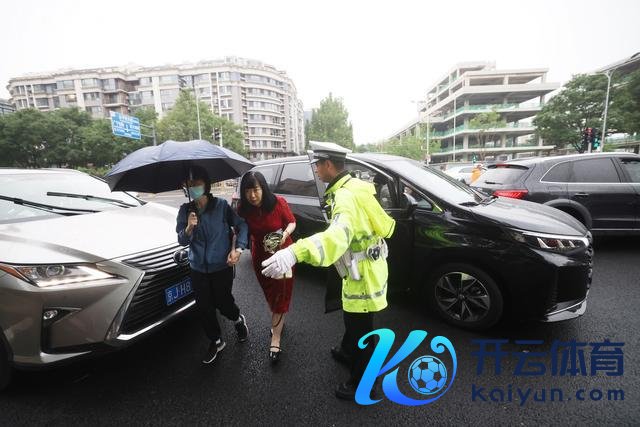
82	269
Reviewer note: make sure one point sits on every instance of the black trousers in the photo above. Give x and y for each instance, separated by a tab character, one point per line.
213	291
355	326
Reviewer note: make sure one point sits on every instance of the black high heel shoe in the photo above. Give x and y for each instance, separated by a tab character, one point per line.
274	356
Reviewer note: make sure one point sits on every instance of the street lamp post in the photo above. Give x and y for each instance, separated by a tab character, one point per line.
418	122
606	109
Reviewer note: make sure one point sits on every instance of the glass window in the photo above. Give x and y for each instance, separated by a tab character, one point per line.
165	80
65	84
297	179
269	173
71	98
145	81
34	188
90	82
558	173
632	166
109	84
383	186
594	170
42	102
501	174
92	96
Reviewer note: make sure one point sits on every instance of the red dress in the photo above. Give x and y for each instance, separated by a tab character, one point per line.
276	291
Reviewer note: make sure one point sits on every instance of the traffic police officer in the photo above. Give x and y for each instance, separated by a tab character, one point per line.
354	243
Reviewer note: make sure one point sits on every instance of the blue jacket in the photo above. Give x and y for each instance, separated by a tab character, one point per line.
210	241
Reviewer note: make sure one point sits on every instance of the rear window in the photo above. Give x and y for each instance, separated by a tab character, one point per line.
297	179
501	174
632	166
269	173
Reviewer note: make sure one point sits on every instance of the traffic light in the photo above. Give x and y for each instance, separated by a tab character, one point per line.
595	140
587	134
216	134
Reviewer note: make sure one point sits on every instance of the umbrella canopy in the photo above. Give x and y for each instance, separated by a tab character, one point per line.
166	166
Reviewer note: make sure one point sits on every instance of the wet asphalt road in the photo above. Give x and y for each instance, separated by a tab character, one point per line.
160	379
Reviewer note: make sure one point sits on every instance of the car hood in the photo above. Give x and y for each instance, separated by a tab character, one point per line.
90	237
525	215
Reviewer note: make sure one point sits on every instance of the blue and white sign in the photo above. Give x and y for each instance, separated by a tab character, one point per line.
123	125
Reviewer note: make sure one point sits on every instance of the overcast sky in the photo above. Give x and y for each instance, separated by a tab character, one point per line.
377	55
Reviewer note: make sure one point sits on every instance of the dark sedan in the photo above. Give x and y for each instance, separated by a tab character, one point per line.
473	258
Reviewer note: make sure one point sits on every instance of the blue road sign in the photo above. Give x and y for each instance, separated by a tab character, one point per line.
123	125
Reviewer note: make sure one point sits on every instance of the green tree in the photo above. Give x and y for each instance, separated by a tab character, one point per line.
578	106
483	124
181	124
330	122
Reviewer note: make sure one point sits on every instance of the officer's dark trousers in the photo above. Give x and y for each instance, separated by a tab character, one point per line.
213	291
356	325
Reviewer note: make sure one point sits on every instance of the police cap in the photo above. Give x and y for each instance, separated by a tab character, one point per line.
328	151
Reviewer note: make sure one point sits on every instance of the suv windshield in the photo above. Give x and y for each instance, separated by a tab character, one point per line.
64	191
435	182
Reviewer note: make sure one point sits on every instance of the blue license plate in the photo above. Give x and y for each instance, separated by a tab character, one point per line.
178	291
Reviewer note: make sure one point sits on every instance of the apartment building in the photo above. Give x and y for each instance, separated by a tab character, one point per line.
471	88
258	97
6	107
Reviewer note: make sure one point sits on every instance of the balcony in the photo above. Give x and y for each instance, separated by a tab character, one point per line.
520	148
521	128
487	108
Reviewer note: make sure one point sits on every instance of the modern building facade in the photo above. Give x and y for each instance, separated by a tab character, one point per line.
258	97
6	107
471	88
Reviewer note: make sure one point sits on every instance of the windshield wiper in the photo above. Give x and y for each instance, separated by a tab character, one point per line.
45	207
488	199
90	197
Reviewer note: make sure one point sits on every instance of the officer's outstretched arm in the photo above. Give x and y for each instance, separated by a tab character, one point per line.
324	248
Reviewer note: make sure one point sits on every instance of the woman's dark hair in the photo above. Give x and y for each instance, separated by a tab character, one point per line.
200	173
252	180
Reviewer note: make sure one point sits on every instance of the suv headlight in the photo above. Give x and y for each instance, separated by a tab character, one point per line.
549	242
56	274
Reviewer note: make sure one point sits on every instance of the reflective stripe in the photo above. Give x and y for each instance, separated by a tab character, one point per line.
344	228
375	295
316	241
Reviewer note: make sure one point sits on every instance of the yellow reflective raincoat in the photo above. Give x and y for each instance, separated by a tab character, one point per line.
357	222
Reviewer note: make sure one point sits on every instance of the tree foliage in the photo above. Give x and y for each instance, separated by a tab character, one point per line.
181	124
330	122
581	103
483	124
69	137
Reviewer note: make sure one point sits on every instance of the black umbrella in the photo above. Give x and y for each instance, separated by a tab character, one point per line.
166	166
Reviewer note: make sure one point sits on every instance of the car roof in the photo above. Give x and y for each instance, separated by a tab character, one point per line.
15	171
553	159
367	157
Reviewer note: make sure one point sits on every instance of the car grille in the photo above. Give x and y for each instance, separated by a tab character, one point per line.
148	304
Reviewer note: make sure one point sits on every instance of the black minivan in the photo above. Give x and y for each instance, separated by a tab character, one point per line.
601	190
473	258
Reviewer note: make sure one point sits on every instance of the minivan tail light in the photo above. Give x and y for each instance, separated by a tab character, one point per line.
514	194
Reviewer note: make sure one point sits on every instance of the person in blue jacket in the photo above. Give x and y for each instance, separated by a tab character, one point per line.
205	225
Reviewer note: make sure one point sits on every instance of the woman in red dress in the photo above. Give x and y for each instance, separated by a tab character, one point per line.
265	213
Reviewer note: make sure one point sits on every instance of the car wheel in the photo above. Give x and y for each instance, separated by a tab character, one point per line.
5	368
464	296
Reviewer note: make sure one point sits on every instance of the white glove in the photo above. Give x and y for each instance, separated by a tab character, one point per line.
279	263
